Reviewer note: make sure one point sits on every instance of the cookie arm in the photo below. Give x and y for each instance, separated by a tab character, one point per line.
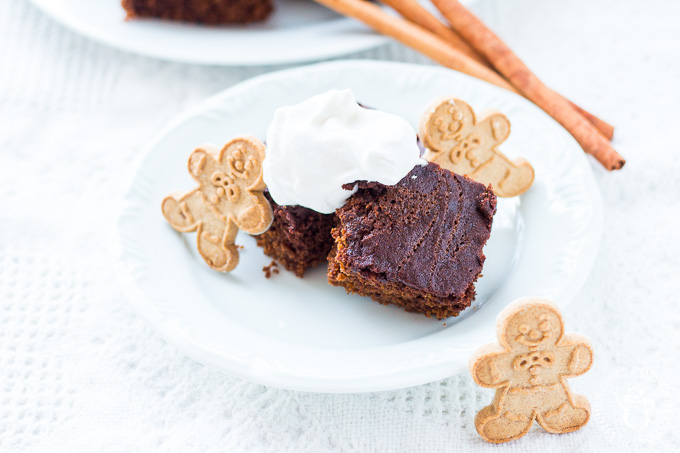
581	357
257	216
183	212
495	125
490	366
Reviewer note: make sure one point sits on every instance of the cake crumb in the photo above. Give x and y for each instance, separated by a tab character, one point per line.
270	269
240	247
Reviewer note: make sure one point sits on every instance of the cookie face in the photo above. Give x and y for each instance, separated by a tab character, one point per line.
455	140
228	198
539	327
528	369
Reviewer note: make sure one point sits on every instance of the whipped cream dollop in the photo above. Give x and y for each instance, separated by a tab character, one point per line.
315	147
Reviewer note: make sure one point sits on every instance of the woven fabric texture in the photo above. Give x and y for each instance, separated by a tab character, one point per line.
81	371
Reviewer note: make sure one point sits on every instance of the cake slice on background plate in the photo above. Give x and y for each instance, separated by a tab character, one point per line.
209	12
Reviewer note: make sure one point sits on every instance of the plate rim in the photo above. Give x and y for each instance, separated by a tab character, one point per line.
295	381
370	41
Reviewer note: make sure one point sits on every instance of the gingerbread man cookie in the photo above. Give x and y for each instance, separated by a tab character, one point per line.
228	198
529	371
458	142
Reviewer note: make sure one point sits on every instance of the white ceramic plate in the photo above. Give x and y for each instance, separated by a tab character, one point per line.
304	334
298	30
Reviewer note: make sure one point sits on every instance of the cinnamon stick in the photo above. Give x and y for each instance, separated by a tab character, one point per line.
601	125
509	65
413	11
416	13
416	37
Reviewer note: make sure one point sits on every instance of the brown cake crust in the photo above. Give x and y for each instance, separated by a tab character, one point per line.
417	244
209	12
299	238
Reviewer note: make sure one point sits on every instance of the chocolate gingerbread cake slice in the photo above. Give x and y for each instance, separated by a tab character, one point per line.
210	12
417	244
299	238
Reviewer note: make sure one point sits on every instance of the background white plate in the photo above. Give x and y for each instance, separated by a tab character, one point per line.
297	31
304	334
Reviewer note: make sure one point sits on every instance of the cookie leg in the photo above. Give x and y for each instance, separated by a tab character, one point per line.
508	178
517	179
211	246
502	426
567	417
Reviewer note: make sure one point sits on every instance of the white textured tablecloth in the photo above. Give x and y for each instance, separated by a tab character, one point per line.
81	371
